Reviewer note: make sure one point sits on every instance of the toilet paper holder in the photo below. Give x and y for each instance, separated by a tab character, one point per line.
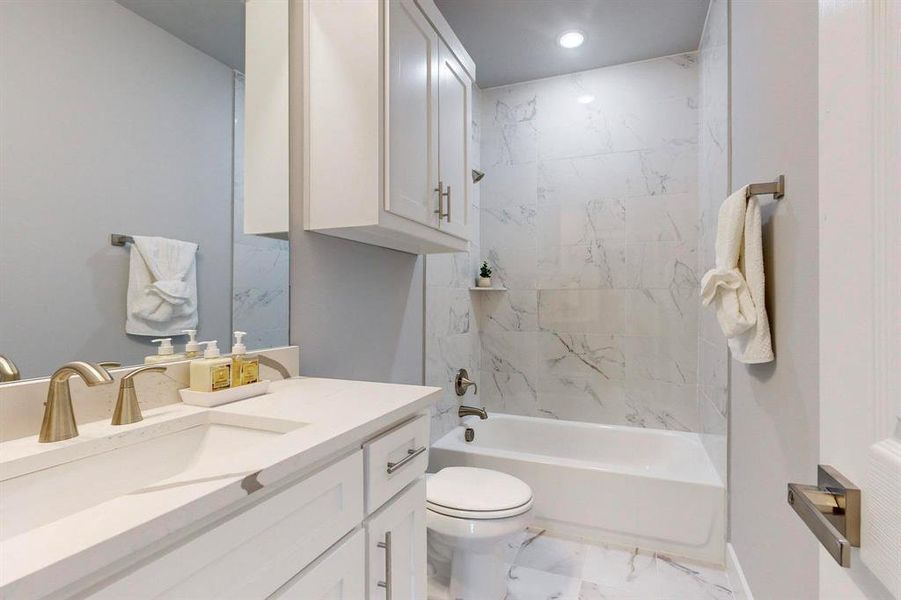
831	510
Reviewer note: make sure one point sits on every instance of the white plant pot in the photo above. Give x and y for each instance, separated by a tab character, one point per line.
484	282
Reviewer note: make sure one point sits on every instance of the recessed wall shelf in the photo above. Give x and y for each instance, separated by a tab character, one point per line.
487	289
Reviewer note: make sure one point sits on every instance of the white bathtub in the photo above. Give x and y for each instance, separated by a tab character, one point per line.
654	489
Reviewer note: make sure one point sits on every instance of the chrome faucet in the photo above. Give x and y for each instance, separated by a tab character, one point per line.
466	411
127	409
8	370
59	420
462	382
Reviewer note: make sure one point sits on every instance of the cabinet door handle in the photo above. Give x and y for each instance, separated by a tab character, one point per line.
441	196
411	454
448	195
386	546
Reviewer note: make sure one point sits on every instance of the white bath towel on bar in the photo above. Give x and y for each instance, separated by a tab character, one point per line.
162	287
736	285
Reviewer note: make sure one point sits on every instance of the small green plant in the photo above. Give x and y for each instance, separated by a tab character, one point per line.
485	270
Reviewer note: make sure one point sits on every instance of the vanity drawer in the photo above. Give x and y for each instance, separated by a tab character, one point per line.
255	552
395	459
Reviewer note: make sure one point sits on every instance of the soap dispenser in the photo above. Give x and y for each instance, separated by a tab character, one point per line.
245	369
212	372
165	353
192	348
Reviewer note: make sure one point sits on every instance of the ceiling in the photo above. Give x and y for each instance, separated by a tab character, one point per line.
215	27
516	40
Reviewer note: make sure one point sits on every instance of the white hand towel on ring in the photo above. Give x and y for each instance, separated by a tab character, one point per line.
162	287
736	286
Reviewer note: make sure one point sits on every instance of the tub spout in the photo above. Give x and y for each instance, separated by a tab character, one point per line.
466	411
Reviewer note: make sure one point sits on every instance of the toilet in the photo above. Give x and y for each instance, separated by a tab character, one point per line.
471	515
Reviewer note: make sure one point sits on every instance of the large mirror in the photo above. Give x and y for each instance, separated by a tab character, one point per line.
133	118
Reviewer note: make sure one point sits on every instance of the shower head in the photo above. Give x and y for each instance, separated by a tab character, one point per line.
477	176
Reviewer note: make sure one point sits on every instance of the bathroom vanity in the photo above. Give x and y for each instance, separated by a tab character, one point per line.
312	490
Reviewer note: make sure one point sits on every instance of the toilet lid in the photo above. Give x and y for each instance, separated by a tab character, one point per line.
473	493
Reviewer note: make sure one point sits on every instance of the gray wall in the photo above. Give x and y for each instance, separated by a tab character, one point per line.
773	417
108	124
356	309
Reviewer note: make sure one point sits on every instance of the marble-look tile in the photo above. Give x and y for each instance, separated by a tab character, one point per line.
679	579
514	267
452	270
661	265
670	359
668	218
531	584
664	313
578	223
513	310
260	287
510	352
588	355
599	265
510	225
591	215
582	311
509	185
583	398
552	566
620	571
509	392
449	311
660	405
551	554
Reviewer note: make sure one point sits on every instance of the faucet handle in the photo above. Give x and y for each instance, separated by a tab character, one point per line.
127	409
462	382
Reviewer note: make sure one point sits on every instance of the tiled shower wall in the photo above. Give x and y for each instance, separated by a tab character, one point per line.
452	340
590	218
713	187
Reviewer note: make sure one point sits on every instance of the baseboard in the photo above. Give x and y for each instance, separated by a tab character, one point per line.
740	589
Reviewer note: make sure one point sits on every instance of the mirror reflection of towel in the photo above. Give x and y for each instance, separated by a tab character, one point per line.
162	287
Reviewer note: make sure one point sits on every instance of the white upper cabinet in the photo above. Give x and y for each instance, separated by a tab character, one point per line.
386	128
454	106
412	126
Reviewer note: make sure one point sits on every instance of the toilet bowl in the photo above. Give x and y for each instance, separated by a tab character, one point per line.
471	515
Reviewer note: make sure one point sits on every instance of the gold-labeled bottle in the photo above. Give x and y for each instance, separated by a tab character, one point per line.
245	369
211	373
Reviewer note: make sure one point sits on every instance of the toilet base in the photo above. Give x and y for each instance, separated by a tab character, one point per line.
466	557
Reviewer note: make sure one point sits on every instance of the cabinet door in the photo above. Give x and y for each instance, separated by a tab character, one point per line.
454	98
396	547
412	133
339	575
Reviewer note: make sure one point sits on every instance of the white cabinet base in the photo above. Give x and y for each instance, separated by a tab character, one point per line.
338	575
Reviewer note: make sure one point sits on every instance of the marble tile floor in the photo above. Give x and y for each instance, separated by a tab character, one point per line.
545	566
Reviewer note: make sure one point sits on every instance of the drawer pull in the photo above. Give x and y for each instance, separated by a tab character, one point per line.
411	454
386	545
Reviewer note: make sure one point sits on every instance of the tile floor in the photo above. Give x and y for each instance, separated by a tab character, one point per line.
544	566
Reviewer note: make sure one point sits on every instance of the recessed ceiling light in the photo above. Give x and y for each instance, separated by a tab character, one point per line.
571	39
585	99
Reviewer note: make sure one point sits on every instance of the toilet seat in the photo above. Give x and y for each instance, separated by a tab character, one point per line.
474	493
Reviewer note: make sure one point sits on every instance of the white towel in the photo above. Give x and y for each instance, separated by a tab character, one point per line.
737	284
162	287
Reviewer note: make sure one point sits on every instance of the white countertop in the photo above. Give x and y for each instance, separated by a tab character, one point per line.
337	414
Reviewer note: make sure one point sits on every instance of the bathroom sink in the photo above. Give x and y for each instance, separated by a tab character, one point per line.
130	463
